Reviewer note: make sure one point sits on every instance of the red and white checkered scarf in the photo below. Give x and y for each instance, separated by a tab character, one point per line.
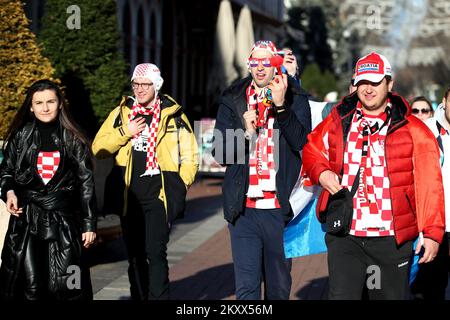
372	213
262	182
151	167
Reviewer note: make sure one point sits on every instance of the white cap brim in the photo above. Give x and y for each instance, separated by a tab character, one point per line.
375	78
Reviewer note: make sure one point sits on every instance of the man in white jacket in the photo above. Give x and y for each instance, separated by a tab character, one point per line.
432	278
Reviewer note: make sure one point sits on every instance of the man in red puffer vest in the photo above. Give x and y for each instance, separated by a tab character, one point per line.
371	137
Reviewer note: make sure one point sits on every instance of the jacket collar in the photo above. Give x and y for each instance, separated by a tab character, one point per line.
400	108
439	116
31	127
237	90
168	105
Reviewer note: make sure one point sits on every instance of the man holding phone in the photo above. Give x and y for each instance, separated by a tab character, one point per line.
290	63
263	164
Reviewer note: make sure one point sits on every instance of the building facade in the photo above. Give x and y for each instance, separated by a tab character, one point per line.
178	36
413	35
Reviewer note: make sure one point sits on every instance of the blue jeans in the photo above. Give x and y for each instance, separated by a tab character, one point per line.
258	254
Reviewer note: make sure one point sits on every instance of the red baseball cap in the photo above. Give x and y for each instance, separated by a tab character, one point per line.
373	67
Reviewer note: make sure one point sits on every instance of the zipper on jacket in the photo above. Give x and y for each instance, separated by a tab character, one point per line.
409	203
388	133
165	198
390	194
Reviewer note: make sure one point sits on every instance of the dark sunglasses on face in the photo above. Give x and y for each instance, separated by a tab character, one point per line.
424	111
254	62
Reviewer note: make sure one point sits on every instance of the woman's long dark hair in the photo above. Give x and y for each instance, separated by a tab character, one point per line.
24	115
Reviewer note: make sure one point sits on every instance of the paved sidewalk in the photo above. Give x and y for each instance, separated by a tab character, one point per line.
203	218
199	255
200	260
207	273
177	250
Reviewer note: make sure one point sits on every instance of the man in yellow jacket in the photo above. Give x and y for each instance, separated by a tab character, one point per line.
155	154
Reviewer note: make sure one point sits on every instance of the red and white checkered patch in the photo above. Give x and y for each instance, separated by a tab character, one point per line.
47	164
144	70
261	193
372	211
151	167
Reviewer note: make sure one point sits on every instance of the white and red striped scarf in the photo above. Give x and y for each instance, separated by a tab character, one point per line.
47	164
372	211
151	167
261	192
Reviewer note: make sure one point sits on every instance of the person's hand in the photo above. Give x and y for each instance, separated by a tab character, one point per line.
290	63
11	204
88	238
136	125
431	249
278	86
330	181
250	119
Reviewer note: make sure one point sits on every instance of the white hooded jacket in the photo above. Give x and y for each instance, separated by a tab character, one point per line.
441	130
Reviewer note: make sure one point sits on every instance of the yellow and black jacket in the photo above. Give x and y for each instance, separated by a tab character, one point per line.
176	148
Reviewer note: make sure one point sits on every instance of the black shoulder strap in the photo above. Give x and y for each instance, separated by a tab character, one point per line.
118	120
439	138
167	101
356	183
179	122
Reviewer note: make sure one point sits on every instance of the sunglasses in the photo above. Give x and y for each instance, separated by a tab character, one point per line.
424	111
254	62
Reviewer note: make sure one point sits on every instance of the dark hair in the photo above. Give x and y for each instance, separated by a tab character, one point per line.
422	98
352	79
446	94
24	115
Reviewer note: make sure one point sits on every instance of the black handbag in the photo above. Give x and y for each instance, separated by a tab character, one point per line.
339	212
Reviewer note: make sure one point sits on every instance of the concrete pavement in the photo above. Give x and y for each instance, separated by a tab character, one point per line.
200	258
199	255
203	218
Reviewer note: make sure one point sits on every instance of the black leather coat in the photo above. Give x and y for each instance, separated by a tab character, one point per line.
58	211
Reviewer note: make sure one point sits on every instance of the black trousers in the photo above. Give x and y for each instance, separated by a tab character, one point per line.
146	234
432	278
258	254
374	265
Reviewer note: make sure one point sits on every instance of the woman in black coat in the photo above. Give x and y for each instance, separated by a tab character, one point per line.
46	180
